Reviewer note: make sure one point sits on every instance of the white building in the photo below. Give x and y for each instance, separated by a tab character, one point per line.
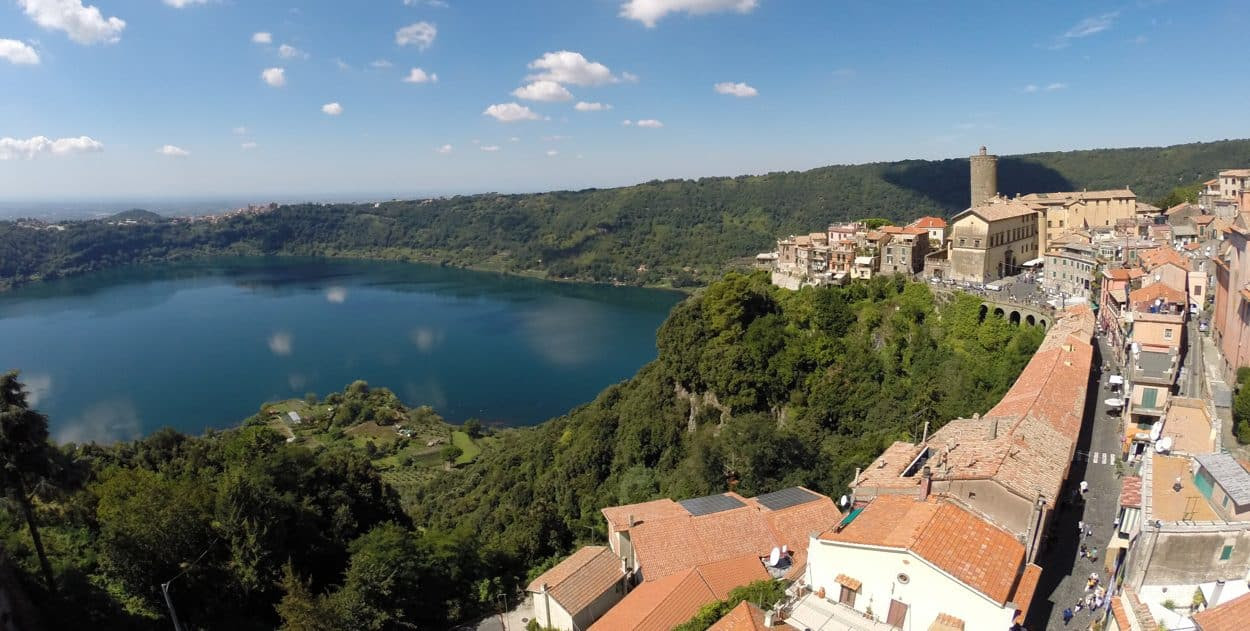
579	590
917	563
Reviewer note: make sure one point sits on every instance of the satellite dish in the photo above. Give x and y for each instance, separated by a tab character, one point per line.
774	557
1156	431
1164	445
844	501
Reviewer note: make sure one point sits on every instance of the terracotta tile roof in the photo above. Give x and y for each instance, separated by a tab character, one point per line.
580	579
1140	611
1124	273
1150	259
1235	173
662	604
1183	206
618	516
1071	197
1202	220
908	230
979	554
1117	610
998	208
852	584
929	222
946	622
1144	297
744	617
972	550
676	540
1025	590
1194	245
1130	491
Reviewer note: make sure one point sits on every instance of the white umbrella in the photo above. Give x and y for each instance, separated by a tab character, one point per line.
1115	380
1115	403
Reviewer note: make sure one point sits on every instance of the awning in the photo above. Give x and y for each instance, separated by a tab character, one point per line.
1115	380
1128	522
1033	262
1115	403
1116	543
848	582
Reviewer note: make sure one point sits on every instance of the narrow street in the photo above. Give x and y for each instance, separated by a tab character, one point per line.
1097	462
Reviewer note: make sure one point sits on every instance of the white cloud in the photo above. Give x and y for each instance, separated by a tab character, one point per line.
15	148
551	153
19	53
1056	86
569	67
263	37
489	148
333	109
544	90
627	122
380	63
417	75
287	51
182	4
421	35
248	146
740	90
583	106
445	149
173	152
1030	88
629	77
650	11
342	65
275	77
510	113
83	24
1092	25
650	123
442	4
514	139
239	131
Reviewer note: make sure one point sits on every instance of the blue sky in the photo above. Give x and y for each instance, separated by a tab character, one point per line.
173	102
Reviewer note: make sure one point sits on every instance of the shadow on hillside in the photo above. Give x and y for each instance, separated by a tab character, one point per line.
946	182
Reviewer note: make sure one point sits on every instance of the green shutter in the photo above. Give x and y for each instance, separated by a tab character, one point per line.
1226	553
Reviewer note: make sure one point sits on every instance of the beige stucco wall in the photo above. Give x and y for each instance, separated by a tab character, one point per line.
974	259
927	592
549	613
1188	558
1151	333
599	606
1175	277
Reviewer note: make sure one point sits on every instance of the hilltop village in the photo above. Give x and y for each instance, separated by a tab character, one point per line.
1105	490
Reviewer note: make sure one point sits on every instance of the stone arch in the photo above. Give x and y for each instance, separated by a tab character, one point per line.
1015	318
999	312
985	310
1030	320
1043	323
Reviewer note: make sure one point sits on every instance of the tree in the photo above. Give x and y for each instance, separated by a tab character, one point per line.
473	428
25	458
450	453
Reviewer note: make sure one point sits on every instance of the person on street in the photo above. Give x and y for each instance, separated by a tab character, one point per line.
1067	616
1084	487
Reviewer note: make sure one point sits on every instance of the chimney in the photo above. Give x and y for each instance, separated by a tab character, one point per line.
991	430
1215	593
926	483
768	618
632	523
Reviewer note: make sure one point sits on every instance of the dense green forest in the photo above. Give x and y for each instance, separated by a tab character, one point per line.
678	232
754	388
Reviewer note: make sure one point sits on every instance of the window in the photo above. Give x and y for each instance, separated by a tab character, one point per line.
1167	334
961	242
976	243
1226	553
847	597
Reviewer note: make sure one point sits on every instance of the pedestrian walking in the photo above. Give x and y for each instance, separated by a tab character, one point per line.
1080	604
1067	616
1084	551
1093	555
1080	528
1084	487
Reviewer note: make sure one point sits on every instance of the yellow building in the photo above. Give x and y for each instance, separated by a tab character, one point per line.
992	240
1065	212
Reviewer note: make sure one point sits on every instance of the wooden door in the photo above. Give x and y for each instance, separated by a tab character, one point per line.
898	613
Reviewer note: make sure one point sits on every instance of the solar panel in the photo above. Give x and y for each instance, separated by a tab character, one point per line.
710	504
785	498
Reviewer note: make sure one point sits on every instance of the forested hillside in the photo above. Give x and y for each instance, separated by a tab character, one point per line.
755	388
677	231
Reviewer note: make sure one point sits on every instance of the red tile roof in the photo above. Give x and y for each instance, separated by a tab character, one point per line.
663	604
1233	615
1025	589
618	516
972	550
929	222
744	617
677	540
1146	296
1125	273
946	622
1130	491
1150	259
580	579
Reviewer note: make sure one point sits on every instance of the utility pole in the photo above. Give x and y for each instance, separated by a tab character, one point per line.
169	602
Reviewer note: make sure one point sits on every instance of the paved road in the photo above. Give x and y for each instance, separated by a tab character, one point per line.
1064	571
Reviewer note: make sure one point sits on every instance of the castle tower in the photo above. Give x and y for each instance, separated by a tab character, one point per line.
984	177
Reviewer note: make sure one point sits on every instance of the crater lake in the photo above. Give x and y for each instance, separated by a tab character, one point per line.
115	355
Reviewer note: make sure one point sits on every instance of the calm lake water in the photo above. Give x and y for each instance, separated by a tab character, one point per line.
118	354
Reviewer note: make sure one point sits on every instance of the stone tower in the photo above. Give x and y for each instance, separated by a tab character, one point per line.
984	177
